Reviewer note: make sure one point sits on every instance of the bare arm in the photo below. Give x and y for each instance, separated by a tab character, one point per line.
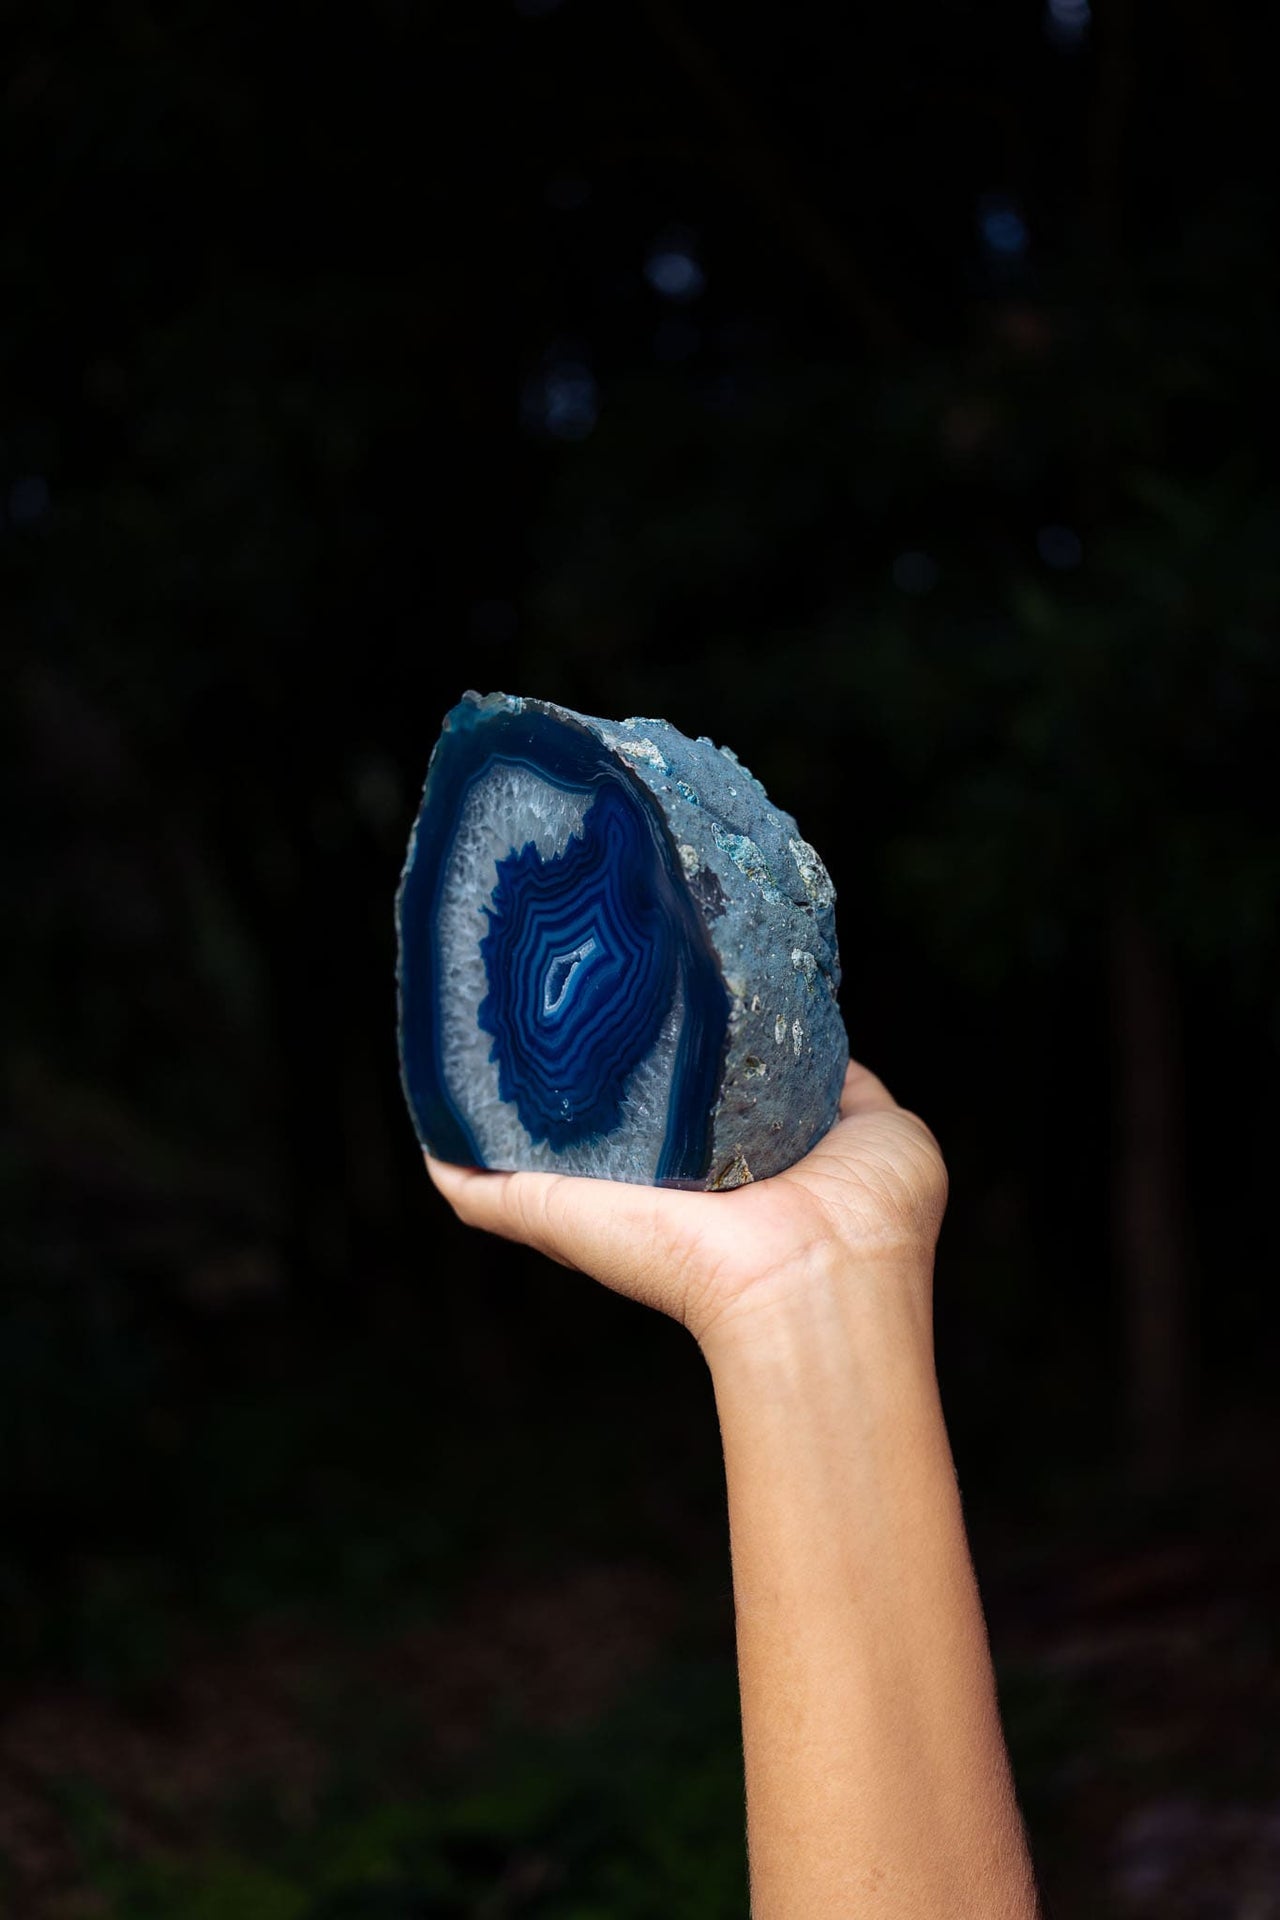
877	1777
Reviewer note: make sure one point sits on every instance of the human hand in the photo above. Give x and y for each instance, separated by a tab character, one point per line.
871	1193
872	1748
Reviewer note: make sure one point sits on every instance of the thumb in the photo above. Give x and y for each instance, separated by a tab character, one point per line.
623	1235
514	1206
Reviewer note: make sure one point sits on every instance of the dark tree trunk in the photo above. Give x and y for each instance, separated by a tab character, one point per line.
1149	1211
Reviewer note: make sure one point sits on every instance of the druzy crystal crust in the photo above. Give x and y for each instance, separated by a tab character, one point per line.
617	958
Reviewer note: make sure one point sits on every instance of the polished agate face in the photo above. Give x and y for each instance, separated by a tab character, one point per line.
570	998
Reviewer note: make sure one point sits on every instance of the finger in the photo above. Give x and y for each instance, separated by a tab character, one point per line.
863	1092
603	1227
494	1202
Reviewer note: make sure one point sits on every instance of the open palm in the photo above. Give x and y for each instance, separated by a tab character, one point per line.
876	1183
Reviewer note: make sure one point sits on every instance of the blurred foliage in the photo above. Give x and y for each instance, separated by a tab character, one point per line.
846	570
642	1814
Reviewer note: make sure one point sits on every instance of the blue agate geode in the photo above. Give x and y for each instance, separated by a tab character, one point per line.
617	958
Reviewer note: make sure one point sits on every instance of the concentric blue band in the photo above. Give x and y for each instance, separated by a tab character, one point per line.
586	952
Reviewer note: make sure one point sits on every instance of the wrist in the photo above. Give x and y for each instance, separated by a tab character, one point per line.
839	1307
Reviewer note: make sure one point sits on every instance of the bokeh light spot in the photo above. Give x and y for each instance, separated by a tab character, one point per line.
672	268
561	401
1002	227
1067	21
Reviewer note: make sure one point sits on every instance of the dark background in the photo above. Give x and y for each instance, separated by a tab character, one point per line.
894	400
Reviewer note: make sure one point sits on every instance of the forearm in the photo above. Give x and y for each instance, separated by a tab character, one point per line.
877	1777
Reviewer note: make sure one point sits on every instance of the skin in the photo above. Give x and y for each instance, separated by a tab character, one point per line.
877	1778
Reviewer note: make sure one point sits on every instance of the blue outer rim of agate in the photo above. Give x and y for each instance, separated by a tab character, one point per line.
561	750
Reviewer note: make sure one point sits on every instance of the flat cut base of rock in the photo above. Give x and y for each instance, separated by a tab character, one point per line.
616	957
